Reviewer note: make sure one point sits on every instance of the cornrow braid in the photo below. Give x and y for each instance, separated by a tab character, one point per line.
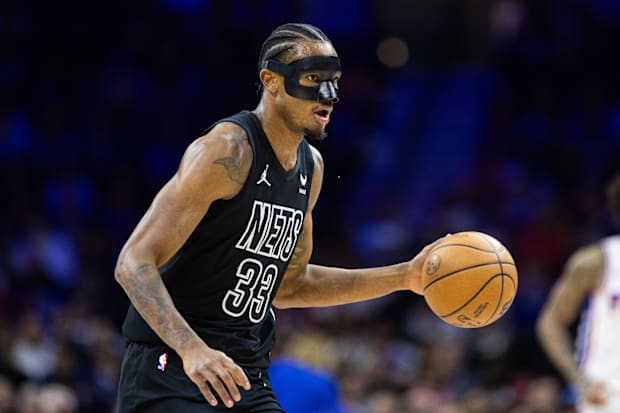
284	38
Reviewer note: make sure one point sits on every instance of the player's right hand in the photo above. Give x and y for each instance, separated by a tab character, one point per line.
416	266
212	370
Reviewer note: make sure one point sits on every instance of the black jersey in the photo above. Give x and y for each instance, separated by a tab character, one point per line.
224	278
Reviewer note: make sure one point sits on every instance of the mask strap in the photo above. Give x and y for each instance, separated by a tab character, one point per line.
281	68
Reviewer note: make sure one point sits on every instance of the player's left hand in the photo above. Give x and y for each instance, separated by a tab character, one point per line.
416	266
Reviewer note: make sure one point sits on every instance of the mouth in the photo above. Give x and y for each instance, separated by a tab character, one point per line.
322	116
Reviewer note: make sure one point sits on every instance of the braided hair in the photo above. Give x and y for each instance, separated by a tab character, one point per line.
283	40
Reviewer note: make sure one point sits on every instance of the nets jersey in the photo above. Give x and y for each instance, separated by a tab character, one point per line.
600	328
224	278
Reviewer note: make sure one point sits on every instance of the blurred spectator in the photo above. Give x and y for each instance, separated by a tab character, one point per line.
57	398
48	398
383	399
7	395
27	398
541	396
302	375
33	352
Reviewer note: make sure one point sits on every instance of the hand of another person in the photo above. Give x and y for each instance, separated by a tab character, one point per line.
595	392
212	370
416	266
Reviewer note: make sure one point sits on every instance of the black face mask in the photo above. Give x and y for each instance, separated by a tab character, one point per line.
326	66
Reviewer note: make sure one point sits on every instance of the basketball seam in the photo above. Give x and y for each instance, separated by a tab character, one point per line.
501	269
458	271
479	291
514	285
473	296
505	275
461	245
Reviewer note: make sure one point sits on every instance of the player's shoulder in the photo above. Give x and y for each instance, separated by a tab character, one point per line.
227	137
317	157
226	143
317	176
587	264
588	256
223	154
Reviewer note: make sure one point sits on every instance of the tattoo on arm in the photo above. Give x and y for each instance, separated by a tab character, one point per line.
297	261
150	297
238	163
144	269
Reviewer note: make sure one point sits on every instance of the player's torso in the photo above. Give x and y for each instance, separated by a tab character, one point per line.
600	326
233	262
224	278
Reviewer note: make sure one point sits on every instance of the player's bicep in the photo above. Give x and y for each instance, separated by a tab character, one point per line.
580	277
293	279
565	301
303	249
213	167
167	224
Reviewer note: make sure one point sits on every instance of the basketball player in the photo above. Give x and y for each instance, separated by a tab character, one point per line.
592	273
229	236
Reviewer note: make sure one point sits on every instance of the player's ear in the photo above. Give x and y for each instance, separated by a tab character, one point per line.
270	80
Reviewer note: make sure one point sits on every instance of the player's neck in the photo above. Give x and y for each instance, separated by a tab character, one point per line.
283	140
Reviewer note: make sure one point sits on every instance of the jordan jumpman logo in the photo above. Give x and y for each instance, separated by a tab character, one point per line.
263	177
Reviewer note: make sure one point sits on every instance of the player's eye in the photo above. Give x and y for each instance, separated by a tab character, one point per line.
313	77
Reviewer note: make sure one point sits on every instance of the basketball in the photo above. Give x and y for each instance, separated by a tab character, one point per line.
469	279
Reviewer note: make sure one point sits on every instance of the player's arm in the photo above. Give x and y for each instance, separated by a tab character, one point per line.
309	285
581	276
213	167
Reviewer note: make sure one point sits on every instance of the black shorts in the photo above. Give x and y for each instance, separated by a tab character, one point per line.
153	383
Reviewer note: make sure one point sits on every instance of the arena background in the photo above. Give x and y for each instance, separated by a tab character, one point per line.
500	116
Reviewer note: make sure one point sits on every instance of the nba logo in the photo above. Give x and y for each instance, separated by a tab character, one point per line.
162	361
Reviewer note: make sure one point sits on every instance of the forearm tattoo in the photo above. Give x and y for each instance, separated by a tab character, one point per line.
149	296
299	258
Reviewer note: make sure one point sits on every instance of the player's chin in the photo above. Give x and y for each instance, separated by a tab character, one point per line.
315	134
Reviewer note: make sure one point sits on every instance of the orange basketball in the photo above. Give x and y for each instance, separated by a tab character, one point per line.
469	279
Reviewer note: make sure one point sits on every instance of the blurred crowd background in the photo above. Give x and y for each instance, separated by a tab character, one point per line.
499	116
